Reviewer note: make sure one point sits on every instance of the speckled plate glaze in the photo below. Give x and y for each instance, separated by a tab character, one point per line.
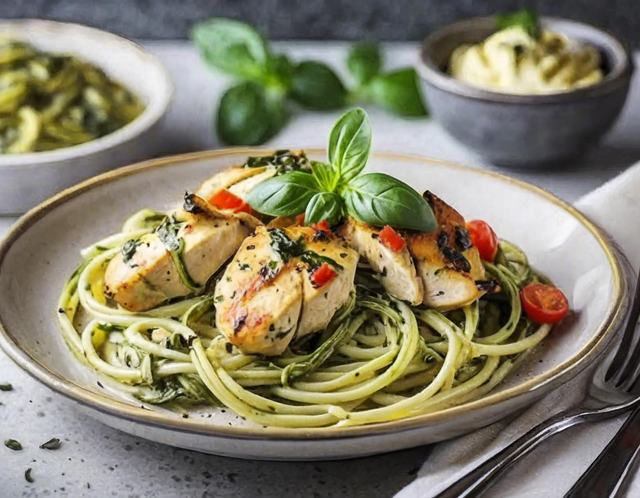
42	250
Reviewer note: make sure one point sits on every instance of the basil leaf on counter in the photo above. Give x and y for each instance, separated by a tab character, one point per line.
523	18
249	115
380	199
315	86
232	46
285	195
398	92
350	144
279	72
364	61
324	206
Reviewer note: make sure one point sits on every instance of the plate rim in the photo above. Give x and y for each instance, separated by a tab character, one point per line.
572	365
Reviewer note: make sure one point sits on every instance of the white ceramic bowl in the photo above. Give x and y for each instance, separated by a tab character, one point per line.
560	242
28	179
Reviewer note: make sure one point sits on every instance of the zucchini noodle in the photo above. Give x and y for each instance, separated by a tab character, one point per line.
378	360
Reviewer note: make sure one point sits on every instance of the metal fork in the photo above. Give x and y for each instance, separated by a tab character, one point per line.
613	390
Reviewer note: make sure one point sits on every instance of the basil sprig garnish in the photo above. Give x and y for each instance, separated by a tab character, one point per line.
337	188
255	108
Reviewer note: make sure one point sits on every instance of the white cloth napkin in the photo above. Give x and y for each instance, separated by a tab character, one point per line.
551	469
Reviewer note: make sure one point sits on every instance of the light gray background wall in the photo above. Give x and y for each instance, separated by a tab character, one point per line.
314	19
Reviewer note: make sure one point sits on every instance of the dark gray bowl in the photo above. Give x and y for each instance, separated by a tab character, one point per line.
524	130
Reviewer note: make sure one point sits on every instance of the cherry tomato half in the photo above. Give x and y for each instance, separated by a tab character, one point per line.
322	226
544	303
323	275
224	199
484	238
391	239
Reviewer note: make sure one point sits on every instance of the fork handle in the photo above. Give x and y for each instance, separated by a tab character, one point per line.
608	473
482	477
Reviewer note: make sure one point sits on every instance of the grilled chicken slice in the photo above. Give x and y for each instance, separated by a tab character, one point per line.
145	274
239	180
268	295
447	263
226	179
398	273
320	302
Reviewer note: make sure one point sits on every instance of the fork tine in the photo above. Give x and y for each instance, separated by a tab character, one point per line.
624	364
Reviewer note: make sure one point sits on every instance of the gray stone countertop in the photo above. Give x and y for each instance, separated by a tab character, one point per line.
97	461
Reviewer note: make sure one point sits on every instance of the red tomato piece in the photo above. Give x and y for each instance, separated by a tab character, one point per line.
544	303
300	219
323	275
484	238
391	239
322	226
224	199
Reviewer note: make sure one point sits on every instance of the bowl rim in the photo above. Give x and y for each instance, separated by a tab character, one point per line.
153	112
617	77
567	369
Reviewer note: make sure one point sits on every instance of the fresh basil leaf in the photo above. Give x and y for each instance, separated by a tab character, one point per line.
324	206
315	86
398	92
524	18
249	115
232	46
349	144
364	61
285	195
324	174
380	199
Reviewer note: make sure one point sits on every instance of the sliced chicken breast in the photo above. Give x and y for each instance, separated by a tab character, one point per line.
269	295
259	297
145	274
320	302
226	179
398	273
447	263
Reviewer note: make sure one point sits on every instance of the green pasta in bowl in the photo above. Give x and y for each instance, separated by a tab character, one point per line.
51	101
74	102
306	294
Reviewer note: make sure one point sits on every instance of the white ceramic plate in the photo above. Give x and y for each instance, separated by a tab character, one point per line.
42	251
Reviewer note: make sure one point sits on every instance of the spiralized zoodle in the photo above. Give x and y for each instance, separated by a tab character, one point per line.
51	101
378	360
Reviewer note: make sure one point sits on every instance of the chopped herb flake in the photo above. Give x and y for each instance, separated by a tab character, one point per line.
12	444
52	444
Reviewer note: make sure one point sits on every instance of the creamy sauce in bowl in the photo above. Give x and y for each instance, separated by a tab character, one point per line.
513	61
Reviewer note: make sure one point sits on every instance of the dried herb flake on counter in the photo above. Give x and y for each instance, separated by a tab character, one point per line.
52	444
12	444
